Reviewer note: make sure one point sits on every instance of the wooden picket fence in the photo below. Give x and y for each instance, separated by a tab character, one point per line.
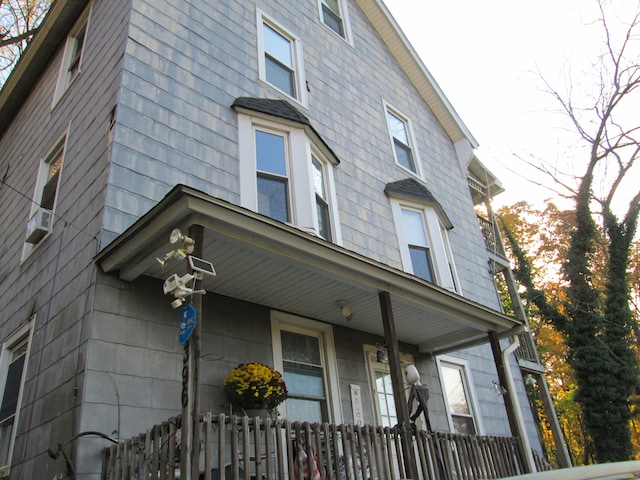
243	448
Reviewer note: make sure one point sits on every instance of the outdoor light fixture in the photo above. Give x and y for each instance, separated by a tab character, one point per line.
381	354
176	236
499	389
187	242
345	310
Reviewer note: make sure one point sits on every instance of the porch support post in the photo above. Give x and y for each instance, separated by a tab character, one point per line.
397	382
514	415
190	430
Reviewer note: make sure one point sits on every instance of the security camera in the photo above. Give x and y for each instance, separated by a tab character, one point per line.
178	285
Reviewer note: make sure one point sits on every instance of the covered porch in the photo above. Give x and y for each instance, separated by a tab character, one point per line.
268	263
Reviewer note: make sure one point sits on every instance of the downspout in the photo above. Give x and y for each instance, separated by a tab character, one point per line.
511	388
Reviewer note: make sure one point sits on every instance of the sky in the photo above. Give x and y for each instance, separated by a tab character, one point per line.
492	59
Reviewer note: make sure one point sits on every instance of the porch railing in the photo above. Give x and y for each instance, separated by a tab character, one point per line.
237	448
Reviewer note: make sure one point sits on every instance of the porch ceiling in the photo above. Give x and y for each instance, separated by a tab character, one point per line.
266	262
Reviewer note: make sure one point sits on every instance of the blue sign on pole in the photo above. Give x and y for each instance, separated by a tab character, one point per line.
187	323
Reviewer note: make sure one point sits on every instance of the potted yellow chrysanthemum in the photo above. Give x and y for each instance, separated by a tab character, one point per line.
255	386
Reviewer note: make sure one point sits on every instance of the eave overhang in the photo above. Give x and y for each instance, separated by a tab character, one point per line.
269	263
52	32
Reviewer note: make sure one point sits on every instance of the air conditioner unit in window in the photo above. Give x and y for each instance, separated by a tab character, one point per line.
39	225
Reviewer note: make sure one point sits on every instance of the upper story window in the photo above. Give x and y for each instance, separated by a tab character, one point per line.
13	361
286	170
459	396
280	59
72	57
402	141
334	14
303	350
415	231
323	212
422	228
272	175
41	217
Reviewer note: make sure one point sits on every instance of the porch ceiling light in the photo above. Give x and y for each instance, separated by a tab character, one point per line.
345	310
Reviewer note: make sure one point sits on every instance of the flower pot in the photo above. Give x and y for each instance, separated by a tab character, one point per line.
261	413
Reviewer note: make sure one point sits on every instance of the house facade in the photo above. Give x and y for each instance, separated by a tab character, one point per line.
321	171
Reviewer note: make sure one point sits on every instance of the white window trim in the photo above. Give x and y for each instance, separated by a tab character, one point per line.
457	286
301	191
344	15
472	397
63	139
284	321
298	63
370	355
64	82
433	231
23	332
412	140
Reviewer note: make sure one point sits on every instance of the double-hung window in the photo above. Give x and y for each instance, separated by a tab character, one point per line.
280	59
417	243
401	135
272	175
286	173
72	56
334	15
322	198
458	395
303	351
41	216
13	359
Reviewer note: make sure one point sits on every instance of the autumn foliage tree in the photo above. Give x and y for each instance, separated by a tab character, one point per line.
545	235
594	313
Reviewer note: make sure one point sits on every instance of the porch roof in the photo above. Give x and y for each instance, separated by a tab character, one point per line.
264	261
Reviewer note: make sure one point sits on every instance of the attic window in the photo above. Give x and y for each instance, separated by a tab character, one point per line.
402	141
72	57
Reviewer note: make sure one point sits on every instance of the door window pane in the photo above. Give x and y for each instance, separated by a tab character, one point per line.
384	391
